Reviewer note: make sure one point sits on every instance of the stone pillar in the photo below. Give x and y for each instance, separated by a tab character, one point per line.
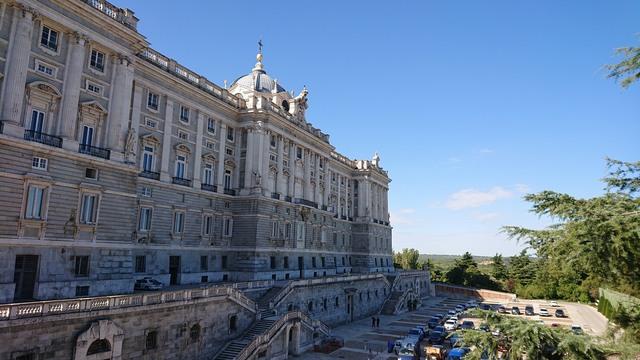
292	169
306	188
264	154
316	172
119	104
71	87
339	195
221	155
279	175
353	199
166	142
197	168
346	196
16	66
133	148
248	163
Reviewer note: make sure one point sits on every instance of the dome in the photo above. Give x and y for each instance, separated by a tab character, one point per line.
259	81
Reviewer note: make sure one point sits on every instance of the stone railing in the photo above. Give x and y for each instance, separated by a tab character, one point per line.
123	16
269	335
201	82
343	159
57	307
321	281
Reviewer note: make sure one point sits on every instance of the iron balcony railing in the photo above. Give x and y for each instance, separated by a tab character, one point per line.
150	175
230	192
275	196
94	151
287	198
181	181
305	202
43	138
209	187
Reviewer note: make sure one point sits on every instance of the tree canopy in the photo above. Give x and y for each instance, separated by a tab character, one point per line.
626	71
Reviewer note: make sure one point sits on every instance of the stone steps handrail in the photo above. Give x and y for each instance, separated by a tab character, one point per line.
268	335
321	281
56	307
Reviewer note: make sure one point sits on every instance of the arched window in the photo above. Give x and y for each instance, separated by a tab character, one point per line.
99	346
233	320
194	333
285	105
310	306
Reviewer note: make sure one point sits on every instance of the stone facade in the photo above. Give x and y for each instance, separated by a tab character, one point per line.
117	163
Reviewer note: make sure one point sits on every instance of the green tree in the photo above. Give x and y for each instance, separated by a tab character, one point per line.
407	259
628	70
498	269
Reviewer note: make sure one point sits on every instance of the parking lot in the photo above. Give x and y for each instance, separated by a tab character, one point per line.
362	341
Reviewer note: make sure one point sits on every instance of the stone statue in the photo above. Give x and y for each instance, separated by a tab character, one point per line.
130	143
301	103
257	178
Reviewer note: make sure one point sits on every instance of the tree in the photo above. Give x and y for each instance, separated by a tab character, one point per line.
498	269
407	258
629	68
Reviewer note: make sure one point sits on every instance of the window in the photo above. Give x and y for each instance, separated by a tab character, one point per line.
91	173
194	333
230	134
97	60
45	69
323	261
285	163
286	262
204	263
274	229
178	222
273	157
183	135
180	166
287	231
210	145
141	263
207	225
87	135
35	202
144	223
229	151
150	123
99	346
273	262
37	121
39	163
151	341
321	163
49	38
81	266
82	291
227	179
88	209
300	231
274	141
224	262
233	323
147	159
146	191
337	301
227	226
211	125
313	261
152	101
299	152
184	113
94	88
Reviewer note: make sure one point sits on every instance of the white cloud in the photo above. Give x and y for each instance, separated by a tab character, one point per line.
486	151
472	198
485	217
402	216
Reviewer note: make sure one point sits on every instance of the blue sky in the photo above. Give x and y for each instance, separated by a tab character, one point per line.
471	104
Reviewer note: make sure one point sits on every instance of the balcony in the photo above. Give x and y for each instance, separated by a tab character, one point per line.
209	187
229	192
43	138
181	181
150	175
344	217
305	202
275	196
350	218
94	151
324	207
287	198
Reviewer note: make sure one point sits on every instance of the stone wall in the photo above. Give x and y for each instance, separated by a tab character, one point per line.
482	294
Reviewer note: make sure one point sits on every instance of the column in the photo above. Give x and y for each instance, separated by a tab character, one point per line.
166	142
327	184
15	76
292	169
279	175
119	103
197	166
248	162
346	196
71	87
353	199
316	172
221	143
133	148
339	195
265	152
361	199
307	176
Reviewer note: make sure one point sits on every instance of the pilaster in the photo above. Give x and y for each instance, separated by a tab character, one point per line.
132	148
279	174
221	154
119	103
197	168
248	162
166	142
71	88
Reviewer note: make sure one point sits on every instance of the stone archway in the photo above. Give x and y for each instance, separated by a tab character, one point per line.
103	340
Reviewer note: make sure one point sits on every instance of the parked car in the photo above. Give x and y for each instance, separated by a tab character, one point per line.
450	325
456	318
458	353
433	322
554	303
543	312
148	283
528	310
502	309
454	339
484	327
515	310
560	313
460	308
417	332
485	307
437	337
408	354
467	325
452	313
577	329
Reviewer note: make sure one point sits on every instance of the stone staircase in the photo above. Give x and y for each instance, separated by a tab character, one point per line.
263	303
236	346
389	306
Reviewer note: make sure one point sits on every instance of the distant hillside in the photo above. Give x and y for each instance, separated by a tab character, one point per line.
446	261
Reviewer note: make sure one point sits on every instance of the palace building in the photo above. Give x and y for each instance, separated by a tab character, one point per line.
117	163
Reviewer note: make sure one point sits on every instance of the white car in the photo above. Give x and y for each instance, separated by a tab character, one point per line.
554	303
450	325
454	318
543	312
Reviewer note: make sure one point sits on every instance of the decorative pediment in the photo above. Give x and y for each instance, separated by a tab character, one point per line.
230	163
273	168
209	156
285	172
149	139
93	105
44	87
182	147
